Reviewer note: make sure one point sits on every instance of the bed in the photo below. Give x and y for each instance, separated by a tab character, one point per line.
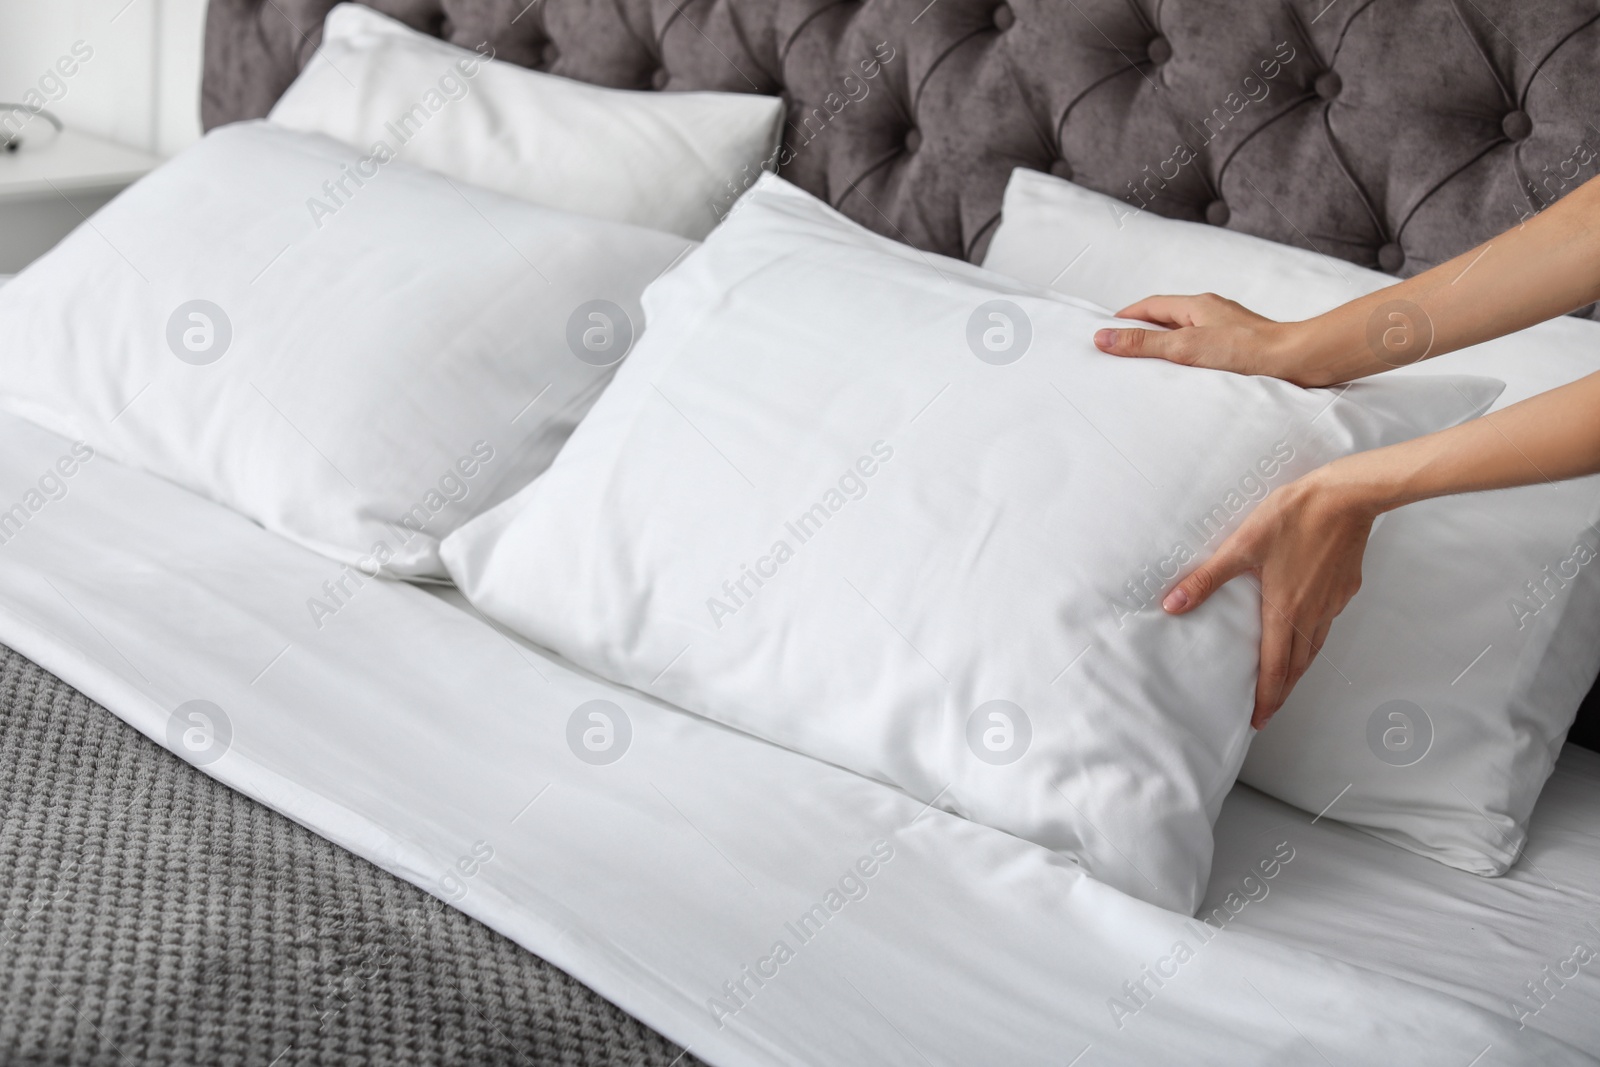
289	910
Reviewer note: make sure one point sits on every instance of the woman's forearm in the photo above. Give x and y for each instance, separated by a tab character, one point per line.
1546	267
1548	437
1306	540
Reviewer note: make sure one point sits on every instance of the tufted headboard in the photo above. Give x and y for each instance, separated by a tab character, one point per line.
1392	133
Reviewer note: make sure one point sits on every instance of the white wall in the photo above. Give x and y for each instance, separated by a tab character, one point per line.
141	84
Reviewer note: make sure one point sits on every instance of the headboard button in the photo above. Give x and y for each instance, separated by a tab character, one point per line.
658	80
1004	17
1160	51
913	140
1517	125
1218	213
1061	169
1391	258
549	54
1328	84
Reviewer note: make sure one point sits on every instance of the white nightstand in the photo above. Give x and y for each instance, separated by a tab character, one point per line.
49	186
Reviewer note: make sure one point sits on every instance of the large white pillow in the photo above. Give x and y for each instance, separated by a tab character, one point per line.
887	509
1442	698
361	383
662	160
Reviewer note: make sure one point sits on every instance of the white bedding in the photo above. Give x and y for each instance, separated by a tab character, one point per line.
1353	897
413	734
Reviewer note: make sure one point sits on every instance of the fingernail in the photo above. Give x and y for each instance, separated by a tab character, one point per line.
1106	338
1176	600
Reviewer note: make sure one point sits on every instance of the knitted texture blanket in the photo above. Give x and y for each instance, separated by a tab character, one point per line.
151	915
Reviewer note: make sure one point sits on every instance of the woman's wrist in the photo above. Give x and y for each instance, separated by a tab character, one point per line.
1320	352
1365	484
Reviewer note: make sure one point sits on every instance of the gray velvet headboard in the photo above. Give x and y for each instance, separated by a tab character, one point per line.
1393	133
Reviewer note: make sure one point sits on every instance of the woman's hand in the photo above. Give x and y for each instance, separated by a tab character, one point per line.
1210	331
1546	266
1306	540
1304	543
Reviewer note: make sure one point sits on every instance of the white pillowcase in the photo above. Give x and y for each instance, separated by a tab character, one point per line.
663	160
361	383
891	511
1442	698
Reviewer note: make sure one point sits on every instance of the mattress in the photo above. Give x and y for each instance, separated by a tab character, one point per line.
1507	944
409	732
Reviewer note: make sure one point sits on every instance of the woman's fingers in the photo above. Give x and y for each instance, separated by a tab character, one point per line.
1229	562
1171	311
1299	660
1277	650
1206	330
1307	646
1174	312
1146	344
1320	635
1305	545
1304	650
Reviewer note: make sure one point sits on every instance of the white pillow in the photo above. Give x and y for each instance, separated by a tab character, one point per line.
1436	711
885	509
662	160
361	383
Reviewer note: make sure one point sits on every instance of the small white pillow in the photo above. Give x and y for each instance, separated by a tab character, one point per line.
891	511
1442	698
361	383
662	160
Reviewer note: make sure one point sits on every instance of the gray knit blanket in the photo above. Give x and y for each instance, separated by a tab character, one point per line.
150	915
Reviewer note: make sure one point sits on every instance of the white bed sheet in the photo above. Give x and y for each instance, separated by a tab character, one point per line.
415	735
1353	897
